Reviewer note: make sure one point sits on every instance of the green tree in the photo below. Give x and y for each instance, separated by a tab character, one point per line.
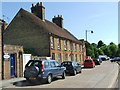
100	52
100	44
118	51
89	50
113	49
105	49
96	54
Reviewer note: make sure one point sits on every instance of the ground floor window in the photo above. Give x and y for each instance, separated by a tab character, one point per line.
66	56
76	57
53	55
59	57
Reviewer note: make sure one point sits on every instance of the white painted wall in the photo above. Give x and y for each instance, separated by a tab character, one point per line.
26	58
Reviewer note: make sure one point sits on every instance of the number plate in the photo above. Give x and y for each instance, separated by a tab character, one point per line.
32	78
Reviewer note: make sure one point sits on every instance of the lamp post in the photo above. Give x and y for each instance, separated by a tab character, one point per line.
86	33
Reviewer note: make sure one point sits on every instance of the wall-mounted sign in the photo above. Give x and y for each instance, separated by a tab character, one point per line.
6	56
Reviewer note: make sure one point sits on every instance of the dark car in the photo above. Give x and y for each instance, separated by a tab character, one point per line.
97	62
43	69
72	67
115	59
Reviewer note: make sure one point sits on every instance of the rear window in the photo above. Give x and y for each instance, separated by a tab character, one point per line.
88	60
33	63
103	58
66	63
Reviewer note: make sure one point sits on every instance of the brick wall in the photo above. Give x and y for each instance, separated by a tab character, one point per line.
76	53
12	49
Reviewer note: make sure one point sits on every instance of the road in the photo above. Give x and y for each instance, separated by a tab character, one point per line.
102	76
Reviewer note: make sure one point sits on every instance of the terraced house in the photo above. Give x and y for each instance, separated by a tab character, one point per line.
41	37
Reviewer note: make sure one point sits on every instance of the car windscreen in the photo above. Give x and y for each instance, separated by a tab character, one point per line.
66	64
88	60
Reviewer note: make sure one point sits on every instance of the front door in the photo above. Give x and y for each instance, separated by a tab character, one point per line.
12	65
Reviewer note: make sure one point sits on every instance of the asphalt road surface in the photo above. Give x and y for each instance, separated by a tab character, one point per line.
102	76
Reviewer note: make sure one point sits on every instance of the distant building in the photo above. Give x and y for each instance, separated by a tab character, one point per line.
41	37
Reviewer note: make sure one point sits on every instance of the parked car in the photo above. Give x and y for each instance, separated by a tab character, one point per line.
104	57
72	67
97	61
115	59
89	63
100	60
43	69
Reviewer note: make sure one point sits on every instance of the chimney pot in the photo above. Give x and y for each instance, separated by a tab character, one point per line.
40	3
37	4
32	5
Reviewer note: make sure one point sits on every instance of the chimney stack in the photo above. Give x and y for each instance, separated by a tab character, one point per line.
38	10
58	20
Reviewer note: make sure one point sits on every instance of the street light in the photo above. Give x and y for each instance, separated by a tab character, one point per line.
86	33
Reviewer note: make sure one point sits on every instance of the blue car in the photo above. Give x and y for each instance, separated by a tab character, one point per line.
43	69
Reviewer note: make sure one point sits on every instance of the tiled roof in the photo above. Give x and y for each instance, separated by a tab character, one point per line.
48	26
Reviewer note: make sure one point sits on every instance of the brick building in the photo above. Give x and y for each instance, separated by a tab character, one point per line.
13	61
41	37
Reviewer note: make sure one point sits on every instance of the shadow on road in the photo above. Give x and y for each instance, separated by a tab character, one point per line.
25	83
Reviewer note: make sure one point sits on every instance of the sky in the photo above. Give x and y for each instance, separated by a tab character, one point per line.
100	17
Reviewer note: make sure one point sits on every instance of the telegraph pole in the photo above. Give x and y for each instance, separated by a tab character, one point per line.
2	50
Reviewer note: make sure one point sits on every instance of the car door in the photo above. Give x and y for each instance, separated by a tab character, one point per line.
54	69
59	69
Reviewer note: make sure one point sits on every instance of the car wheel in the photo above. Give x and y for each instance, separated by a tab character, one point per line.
63	75
75	72
80	71
49	79
27	79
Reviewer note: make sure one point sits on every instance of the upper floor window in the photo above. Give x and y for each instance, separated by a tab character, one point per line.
71	46
80	48
52	42
58	42
65	44
75	47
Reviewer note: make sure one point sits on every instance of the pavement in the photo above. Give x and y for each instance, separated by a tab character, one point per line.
5	83
108	78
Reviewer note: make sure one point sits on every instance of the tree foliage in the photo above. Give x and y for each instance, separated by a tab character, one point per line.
94	50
